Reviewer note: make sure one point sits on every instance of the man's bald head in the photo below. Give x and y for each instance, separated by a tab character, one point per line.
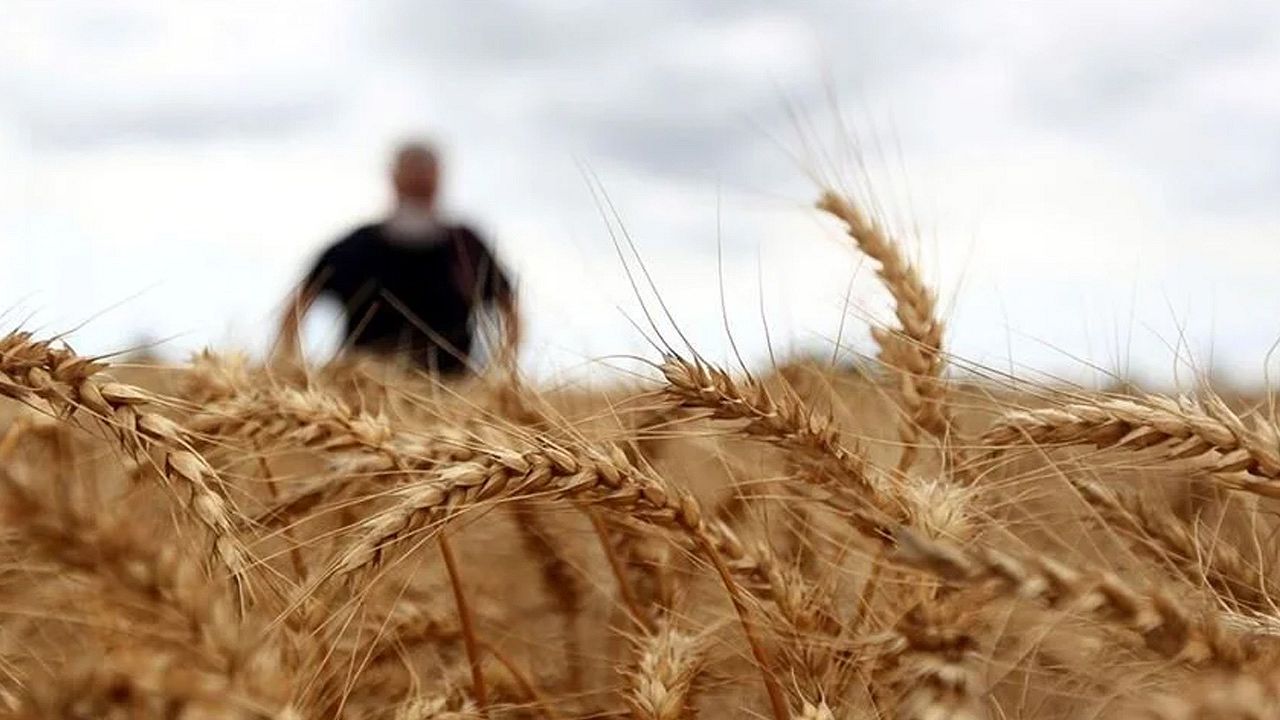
415	173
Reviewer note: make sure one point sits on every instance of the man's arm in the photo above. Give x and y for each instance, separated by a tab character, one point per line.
513	331
325	275
288	343
483	279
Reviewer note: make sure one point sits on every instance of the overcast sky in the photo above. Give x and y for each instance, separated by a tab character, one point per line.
1087	183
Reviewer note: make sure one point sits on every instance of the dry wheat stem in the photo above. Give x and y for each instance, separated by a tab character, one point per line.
777	704
559	580
466	620
295	550
634	611
531	693
559	577
803	615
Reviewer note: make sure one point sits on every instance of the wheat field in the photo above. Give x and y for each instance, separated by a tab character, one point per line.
229	539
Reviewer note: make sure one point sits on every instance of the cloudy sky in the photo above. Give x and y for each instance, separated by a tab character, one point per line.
1089	184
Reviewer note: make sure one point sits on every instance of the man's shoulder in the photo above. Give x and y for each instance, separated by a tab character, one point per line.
356	240
465	232
456	223
362	234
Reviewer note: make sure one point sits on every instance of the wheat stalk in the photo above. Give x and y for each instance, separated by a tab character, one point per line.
560	580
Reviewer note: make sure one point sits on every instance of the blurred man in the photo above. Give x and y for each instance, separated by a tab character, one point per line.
411	285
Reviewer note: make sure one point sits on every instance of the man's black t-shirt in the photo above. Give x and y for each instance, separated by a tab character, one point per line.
411	298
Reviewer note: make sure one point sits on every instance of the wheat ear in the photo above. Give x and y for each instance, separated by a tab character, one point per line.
164	579
1221	696
814	710
660	686
358	444
35	372
602	478
810	438
938	664
438	707
1164	626
134	574
1207	432
1173	540
132	682
914	349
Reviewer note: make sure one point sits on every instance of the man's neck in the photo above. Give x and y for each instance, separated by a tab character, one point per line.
413	224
